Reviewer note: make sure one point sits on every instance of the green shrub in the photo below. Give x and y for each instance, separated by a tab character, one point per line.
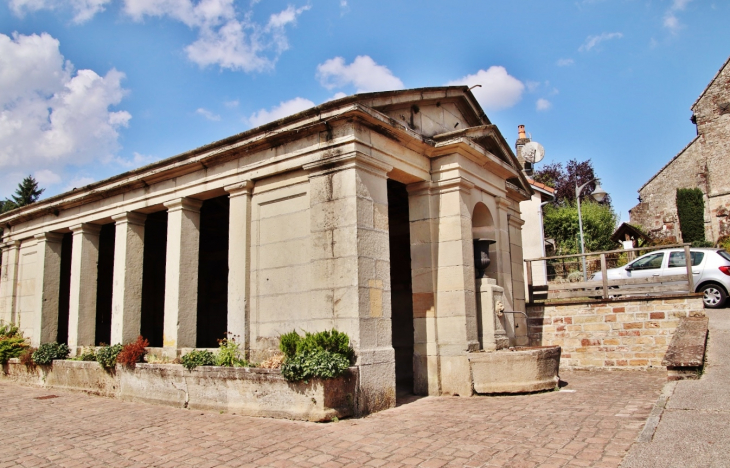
724	243
48	352
87	354
561	224
322	364
691	214
229	354
325	354
288	343
107	355
198	357
702	243
12	342
332	341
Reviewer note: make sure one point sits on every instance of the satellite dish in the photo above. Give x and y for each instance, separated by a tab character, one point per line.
533	152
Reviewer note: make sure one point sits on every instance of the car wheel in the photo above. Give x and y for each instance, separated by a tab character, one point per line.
713	296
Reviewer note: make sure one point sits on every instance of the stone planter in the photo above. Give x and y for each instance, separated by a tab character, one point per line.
246	391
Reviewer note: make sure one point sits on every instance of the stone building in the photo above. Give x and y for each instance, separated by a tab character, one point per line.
703	163
358	214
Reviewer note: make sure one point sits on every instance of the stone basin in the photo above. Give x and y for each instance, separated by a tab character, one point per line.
515	370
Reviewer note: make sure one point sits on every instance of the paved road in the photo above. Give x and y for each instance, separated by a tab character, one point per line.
592	422
694	430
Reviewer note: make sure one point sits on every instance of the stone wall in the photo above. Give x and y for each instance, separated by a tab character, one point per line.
657	212
621	334
243	390
704	163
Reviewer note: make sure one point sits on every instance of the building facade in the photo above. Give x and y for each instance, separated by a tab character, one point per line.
703	163
358	214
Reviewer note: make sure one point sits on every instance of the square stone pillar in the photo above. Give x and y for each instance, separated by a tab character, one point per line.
351	265
9	280
444	299
239	262
84	271
48	284
181	275
128	269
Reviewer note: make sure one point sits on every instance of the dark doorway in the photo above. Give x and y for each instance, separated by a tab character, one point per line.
64	289
153	278
213	272
400	285
105	284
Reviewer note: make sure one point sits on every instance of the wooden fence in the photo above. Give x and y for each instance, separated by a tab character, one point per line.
605	287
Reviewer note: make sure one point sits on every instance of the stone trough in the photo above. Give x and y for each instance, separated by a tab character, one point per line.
515	370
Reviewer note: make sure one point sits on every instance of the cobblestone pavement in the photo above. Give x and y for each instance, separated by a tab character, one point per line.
591	422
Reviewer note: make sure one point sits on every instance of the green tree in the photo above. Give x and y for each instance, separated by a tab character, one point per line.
691	214
27	192
561	224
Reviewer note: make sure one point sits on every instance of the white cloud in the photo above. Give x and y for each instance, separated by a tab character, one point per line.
593	41
137	160
52	116
338	95
83	10
225	37
363	73
499	89
231	104
565	62
532	85
44	177
208	114
284	109
543	104
78	182
671	21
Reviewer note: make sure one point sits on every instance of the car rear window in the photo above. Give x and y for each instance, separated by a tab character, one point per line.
676	259
724	255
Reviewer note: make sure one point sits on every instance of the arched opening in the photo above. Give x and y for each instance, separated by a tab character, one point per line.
482	227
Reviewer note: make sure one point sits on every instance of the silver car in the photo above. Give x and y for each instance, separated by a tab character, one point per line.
710	271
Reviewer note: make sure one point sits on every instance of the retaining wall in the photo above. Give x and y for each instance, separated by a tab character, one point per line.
621	333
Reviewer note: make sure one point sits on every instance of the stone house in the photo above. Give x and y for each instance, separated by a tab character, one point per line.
703	163
358	214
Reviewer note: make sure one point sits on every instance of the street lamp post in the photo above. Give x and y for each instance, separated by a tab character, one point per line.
599	195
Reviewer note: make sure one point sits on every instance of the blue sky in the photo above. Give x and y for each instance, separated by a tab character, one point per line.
92	88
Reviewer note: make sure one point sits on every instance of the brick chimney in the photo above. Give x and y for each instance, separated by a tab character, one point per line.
521	141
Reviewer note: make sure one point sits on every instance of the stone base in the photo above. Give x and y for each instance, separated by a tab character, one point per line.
523	370
684	373
246	391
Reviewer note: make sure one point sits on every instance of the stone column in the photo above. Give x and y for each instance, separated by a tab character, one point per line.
518	281
128	269
9	280
82	301
504	262
181	276
351	265
444	299
239	262
48	283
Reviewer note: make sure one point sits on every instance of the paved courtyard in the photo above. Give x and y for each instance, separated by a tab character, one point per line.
592	421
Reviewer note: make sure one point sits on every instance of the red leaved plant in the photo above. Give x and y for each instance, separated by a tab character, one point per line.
132	353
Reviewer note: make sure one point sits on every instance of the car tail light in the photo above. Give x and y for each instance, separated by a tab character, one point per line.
725	269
